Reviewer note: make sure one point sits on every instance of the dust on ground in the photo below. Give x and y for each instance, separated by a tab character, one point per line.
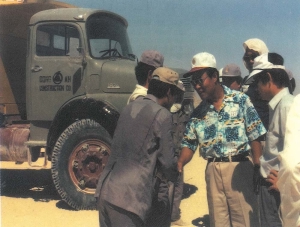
29	199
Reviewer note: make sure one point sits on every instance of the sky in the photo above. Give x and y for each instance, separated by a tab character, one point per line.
179	29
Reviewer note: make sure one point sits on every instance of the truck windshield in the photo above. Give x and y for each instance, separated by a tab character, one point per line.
107	37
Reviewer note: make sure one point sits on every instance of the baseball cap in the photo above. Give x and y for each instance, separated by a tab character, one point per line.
153	58
168	76
261	63
201	61
231	70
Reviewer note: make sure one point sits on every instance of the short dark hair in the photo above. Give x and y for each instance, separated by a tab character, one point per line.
209	71
279	76
227	81
160	89
275	58
293	84
141	72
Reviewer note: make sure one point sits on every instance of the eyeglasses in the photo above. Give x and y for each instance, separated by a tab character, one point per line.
249	57
198	81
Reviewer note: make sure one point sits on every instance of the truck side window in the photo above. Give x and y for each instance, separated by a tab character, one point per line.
57	40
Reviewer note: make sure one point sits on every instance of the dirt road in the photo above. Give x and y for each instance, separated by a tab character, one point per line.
29	199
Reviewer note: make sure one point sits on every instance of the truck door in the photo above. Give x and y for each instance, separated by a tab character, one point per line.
56	68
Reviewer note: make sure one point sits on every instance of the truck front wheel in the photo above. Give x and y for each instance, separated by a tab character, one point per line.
78	159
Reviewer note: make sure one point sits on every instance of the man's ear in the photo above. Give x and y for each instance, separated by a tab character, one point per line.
270	78
215	77
149	76
169	92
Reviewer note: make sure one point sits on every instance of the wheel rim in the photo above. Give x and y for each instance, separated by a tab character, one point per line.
86	164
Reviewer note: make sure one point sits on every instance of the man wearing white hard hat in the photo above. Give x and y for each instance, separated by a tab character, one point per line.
226	127
273	86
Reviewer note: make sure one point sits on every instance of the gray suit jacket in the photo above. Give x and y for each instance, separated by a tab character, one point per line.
142	145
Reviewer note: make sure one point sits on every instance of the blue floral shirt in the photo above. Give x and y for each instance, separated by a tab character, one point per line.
229	130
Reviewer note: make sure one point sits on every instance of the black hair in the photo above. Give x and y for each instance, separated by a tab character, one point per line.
211	72
227	81
160	89
279	76
293	84
275	58
141	72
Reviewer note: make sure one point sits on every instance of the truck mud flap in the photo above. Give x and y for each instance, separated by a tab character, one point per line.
12	143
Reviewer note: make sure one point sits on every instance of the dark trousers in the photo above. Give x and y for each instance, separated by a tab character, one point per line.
269	206
113	216
160	213
178	191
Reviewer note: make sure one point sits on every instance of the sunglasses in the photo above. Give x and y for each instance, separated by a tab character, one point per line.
249	57
198	81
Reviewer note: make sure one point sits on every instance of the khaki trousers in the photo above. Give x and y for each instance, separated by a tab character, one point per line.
230	196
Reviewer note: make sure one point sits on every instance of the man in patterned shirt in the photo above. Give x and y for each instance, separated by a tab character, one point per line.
226	127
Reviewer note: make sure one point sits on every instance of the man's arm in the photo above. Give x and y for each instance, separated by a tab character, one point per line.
256	151
185	157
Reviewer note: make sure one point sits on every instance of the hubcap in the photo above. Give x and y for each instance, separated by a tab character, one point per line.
86	164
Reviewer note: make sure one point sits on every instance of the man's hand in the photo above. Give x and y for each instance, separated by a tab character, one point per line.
273	178
179	167
256	179
185	156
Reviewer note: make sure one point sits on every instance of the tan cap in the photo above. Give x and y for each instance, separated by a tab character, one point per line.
168	76
231	70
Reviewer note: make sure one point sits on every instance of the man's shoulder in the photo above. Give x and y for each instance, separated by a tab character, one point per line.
287	100
236	96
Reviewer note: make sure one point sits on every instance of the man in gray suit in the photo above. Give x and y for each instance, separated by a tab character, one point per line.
142	147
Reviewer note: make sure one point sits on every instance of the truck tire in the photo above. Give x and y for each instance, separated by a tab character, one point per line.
78	159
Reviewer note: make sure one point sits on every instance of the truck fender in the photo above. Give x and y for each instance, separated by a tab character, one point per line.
78	109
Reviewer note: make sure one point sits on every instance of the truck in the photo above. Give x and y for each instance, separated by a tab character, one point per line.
65	75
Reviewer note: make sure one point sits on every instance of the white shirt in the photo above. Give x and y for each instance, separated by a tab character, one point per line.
289	173
138	91
279	107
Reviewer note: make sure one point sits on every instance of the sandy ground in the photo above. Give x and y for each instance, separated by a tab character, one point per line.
28	198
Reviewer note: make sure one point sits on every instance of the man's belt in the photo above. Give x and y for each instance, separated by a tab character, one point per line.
235	158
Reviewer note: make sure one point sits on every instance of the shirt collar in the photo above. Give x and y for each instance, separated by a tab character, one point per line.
276	99
151	97
228	94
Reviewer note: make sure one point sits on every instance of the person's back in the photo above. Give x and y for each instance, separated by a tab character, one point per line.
142	147
134	171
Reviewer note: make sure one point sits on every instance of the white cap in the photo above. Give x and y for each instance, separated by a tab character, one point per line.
261	63
202	60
